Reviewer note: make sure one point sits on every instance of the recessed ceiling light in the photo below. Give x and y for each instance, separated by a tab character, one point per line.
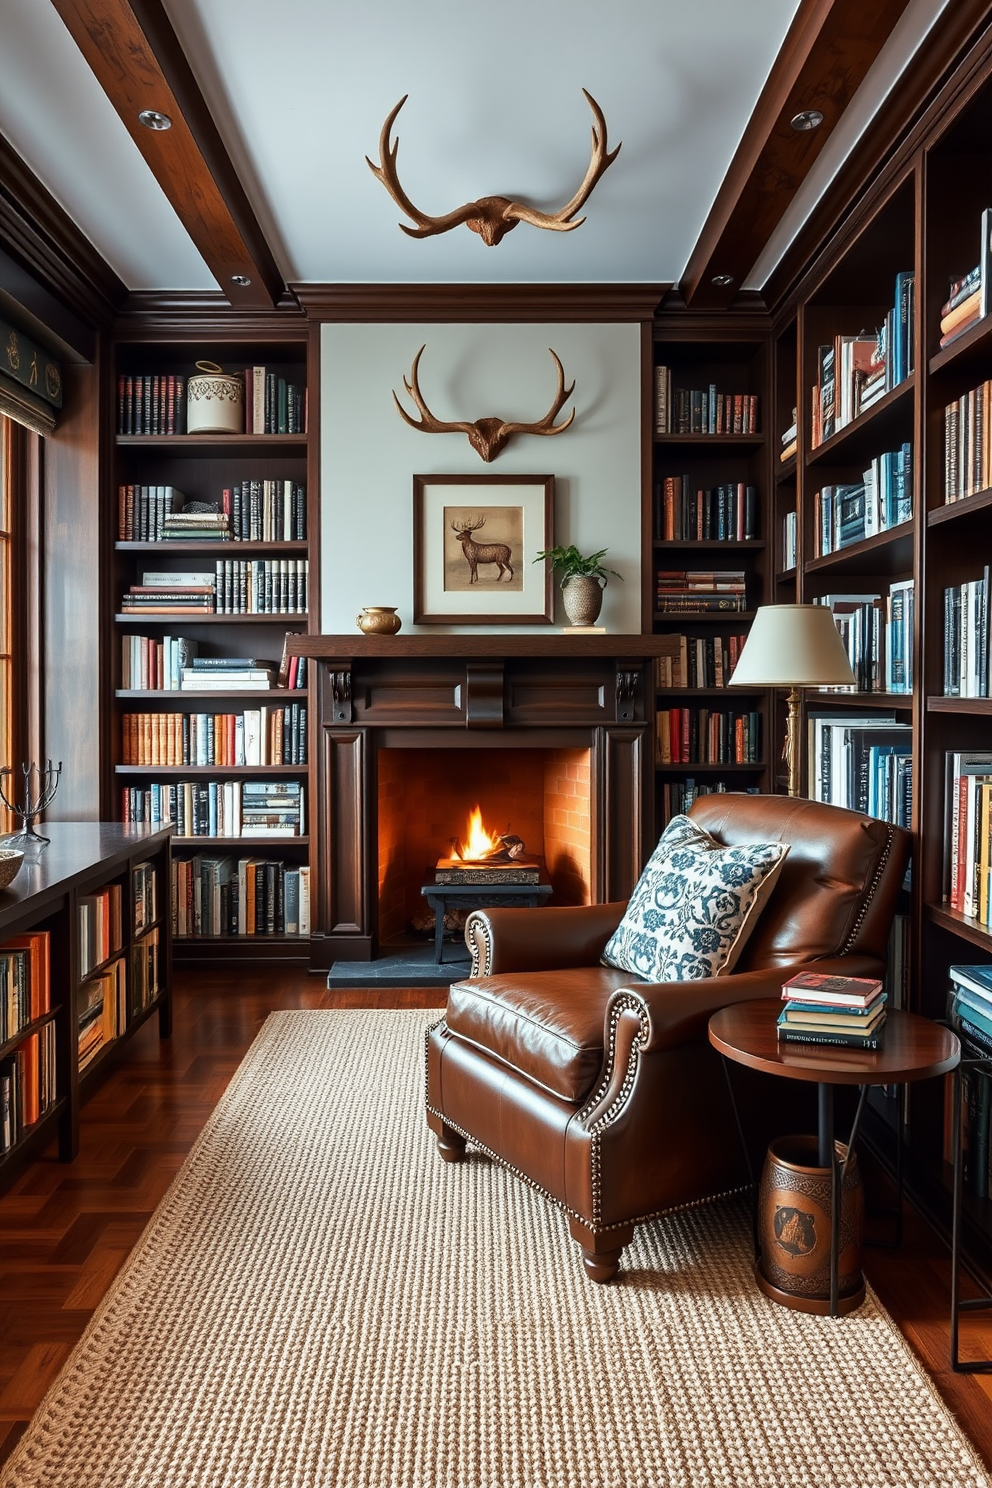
152	119
722	280
241	280
807	119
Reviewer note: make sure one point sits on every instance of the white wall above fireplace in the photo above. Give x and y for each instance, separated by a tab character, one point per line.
369	456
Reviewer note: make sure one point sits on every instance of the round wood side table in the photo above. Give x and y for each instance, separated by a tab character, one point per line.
913	1048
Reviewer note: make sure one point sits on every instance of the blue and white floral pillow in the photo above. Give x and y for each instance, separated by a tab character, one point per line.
694	905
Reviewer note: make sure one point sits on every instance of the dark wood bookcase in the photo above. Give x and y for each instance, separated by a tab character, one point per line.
201	466
729	352
82	859
922	211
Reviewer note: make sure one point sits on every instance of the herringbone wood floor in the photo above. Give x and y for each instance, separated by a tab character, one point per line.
65	1230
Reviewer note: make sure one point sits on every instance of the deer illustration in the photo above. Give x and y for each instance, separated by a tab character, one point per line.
476	553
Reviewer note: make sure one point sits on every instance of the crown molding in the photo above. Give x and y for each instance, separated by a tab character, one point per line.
168	314
479	302
48	267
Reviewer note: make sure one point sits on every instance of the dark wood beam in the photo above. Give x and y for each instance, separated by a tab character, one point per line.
137	60
827	51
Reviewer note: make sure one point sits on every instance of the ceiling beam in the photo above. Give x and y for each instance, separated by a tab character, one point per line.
137	60
827	51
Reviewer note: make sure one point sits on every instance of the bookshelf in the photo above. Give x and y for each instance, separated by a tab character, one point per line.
212	758
920	214
709	516
88	913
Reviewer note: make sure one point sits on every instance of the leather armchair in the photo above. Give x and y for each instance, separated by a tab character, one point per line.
602	1090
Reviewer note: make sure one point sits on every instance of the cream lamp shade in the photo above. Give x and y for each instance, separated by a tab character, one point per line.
794	646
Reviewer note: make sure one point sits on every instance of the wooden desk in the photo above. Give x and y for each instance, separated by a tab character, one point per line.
913	1048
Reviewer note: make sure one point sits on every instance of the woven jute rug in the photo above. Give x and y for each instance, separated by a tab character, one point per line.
320	1300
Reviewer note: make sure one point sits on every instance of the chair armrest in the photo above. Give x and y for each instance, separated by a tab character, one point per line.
679	1012
503	940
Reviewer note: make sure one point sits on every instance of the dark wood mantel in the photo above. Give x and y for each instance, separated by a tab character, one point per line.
471	692
411	647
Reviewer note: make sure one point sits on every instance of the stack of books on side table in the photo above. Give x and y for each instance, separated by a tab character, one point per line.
824	1009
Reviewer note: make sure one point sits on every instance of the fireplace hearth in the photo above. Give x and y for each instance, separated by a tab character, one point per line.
552	735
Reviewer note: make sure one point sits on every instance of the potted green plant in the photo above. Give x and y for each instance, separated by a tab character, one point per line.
583	580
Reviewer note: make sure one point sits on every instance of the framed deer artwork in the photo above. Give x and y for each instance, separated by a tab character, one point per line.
475	538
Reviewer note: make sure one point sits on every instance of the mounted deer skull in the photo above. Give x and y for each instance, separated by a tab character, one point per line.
487	436
492	217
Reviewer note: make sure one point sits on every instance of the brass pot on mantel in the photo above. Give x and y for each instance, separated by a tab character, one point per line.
378	620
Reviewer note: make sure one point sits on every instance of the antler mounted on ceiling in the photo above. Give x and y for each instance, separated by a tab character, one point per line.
492	217
487	436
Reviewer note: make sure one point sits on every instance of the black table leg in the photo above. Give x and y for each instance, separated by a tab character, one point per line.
828	1159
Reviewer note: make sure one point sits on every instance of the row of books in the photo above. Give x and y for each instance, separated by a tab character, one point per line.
155	403
250	511
678	795
789	438
696	661
151	403
969	1012
25	984
708	736
101	1011
220	896
257	736
171	664
968	832
823	1008
790	540
966	638
855	371
144	972
257	586
220	808
701	410
684	513
968	444
27	1085
877	631
144	895
100	926
688	591
969	297
863	763
850	512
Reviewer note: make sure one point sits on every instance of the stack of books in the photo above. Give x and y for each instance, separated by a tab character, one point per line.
195	526
963	307
969	1006
226	673
171	594
681	591
789	438
825	1009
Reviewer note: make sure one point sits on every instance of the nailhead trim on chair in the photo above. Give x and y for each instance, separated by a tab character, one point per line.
479	967
539	1188
866	904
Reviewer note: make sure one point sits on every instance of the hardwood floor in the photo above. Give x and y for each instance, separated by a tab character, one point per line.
65	1230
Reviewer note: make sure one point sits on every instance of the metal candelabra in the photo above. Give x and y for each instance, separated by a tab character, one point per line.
48	784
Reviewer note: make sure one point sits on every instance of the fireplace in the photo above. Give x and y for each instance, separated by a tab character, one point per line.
551	736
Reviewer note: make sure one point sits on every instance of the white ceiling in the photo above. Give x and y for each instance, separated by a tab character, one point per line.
299	91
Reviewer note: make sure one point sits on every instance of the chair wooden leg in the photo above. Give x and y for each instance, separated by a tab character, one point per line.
450	1144
601	1249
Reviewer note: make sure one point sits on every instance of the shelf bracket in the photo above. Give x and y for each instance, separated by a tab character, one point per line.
341	697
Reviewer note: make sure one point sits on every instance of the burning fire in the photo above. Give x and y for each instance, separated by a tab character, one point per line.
478	842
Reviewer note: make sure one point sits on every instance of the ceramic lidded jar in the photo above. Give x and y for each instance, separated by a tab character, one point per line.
378	620
215	401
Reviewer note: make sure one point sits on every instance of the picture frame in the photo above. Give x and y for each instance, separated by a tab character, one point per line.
459	579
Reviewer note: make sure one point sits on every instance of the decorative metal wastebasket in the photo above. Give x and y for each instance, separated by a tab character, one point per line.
794	1228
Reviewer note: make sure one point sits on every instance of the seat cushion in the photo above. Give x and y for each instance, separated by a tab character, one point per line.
548	1025
694	905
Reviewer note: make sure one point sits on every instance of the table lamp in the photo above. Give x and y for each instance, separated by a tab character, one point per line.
794	646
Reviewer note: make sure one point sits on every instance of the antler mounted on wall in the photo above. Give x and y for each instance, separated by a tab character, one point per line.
492	217
487	436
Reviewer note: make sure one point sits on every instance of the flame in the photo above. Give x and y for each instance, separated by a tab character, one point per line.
477	842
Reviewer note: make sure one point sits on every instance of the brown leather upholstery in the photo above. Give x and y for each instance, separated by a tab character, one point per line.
603	1090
